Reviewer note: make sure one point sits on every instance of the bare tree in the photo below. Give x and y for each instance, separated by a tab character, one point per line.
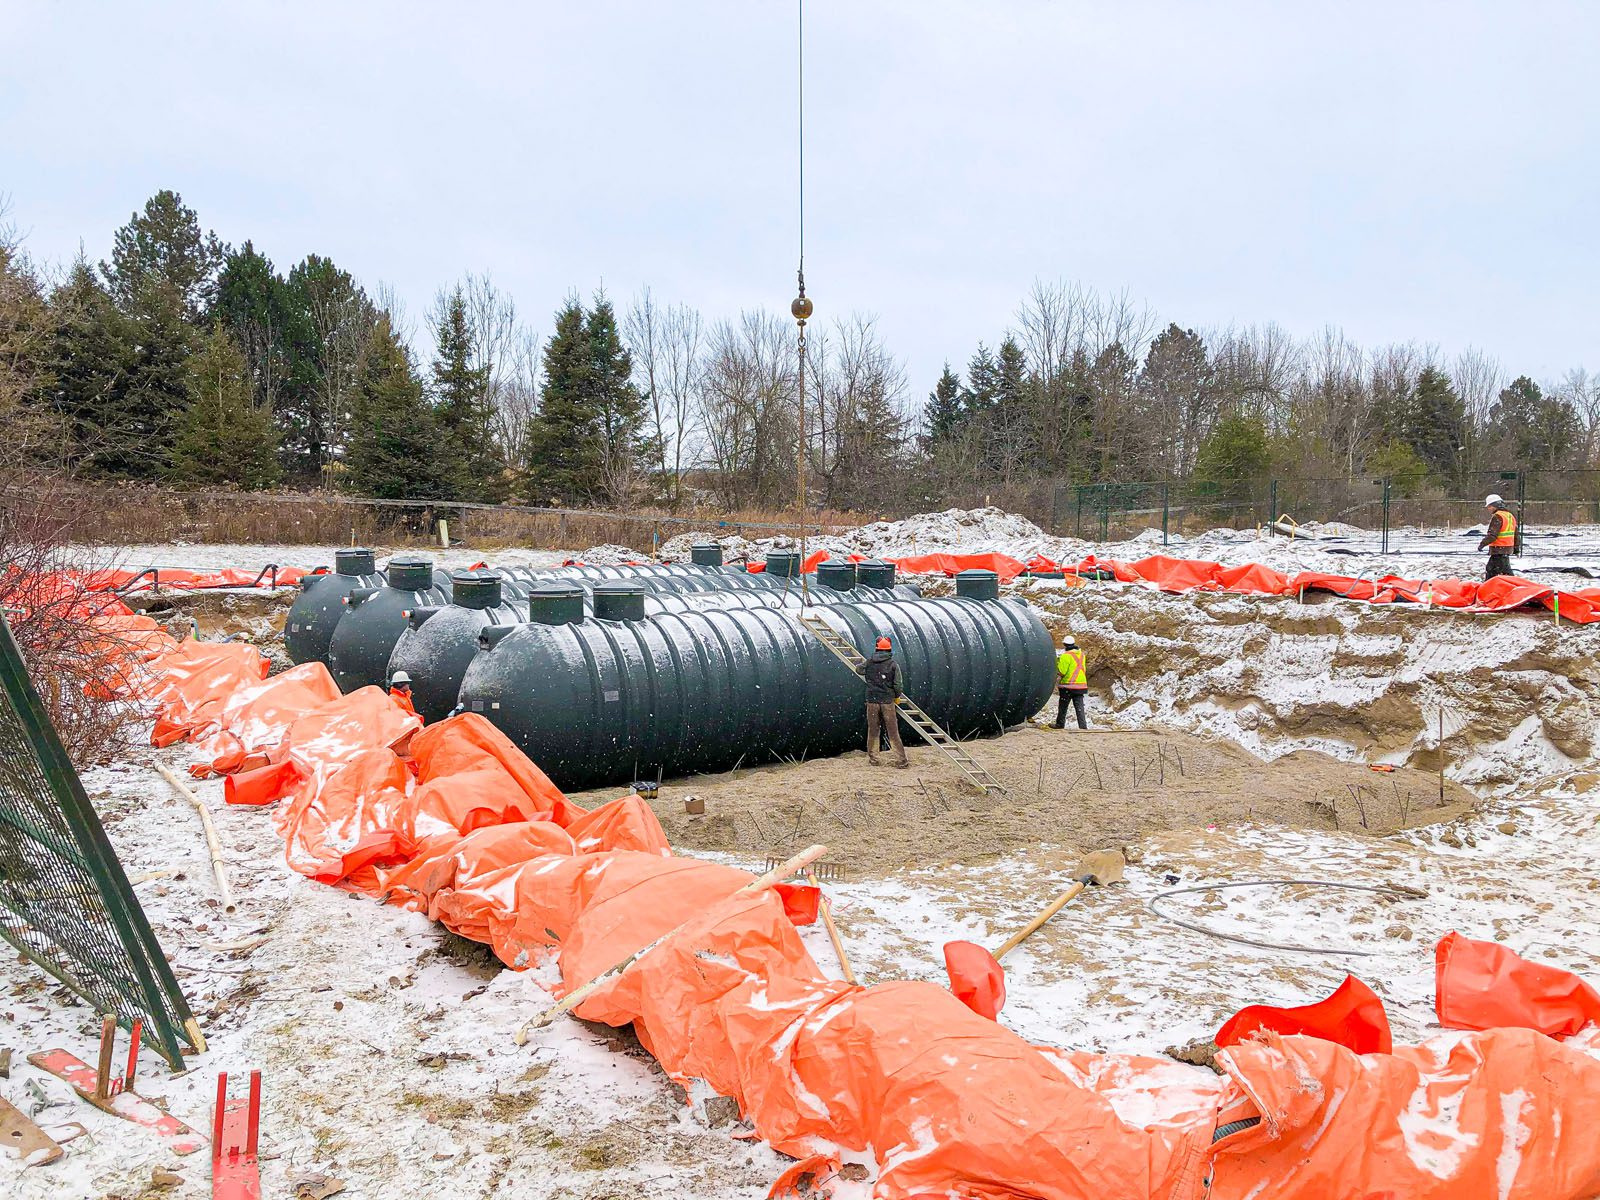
747	408
642	334
1476	378
678	379
515	399
861	430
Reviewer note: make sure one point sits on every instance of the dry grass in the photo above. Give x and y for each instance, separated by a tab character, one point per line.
133	514
74	666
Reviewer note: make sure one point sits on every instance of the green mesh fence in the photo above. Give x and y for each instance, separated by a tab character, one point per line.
65	902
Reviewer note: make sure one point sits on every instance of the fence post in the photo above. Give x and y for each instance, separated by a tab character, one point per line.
1079	533
1272	512
1105	512
1164	515
1522	508
1385	514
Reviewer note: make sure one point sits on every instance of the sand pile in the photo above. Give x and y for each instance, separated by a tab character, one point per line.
1071	789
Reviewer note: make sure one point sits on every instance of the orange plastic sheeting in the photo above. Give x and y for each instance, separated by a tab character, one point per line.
627	823
179	579
343	830
1253	579
1482	985
1002	565
976	979
190	684
255	720
1352	1016
321	741
444	865
468	742
1503	1115
950	1103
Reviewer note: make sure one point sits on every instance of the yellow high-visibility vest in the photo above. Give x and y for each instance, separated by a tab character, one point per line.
1506	539
1070	670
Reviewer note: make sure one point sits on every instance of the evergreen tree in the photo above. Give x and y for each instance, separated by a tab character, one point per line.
943	415
461	406
1435	421
619	408
29	430
392	446
162	276
329	321
983	384
87	365
1011	445
584	441
1234	454
1177	390
226	438
252	303
1531	429
163	249
563	451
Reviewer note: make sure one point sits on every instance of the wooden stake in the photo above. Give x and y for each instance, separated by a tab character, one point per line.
581	993
212	841
108	1041
833	930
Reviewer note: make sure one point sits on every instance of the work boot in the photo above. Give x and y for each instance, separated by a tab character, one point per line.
872	761
902	763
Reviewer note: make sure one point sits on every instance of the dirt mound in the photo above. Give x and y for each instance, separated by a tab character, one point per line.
254	617
1519	697
1066	788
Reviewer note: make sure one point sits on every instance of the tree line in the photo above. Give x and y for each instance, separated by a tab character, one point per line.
185	360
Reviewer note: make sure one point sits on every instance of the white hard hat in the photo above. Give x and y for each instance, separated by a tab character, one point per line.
399	677
1069	640
1491	500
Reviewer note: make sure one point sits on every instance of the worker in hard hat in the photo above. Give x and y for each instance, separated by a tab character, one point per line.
1072	682
1500	538
400	691
882	674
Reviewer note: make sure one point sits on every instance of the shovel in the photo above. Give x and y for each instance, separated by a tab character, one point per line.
976	977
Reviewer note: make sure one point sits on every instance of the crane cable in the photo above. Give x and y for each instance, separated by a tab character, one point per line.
801	307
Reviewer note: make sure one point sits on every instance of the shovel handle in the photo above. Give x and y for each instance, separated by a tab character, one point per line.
1034	925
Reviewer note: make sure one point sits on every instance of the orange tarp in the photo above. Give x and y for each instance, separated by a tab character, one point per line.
1481	985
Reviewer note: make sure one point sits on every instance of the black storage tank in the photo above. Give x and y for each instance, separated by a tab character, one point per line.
603	702
320	604
438	641
374	618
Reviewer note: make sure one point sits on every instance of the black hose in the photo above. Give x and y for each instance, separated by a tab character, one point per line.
1383	889
1233	1127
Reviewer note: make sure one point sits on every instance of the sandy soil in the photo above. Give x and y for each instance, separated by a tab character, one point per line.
1064	788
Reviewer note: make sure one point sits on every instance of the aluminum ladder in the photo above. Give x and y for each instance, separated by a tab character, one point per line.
925	726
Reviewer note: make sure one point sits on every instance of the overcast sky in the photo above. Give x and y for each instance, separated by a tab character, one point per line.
1408	171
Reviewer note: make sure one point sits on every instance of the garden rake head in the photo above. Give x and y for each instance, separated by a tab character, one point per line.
825	872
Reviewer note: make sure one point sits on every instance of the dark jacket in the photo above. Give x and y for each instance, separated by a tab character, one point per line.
882	674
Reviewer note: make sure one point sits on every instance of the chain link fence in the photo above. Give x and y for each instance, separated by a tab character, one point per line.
65	902
1112	512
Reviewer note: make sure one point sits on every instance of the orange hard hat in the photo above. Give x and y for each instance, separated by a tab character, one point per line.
883	643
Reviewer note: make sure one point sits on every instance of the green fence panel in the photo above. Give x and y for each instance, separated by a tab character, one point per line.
65	901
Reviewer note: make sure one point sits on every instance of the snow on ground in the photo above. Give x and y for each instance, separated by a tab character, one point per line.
1333	548
1110	974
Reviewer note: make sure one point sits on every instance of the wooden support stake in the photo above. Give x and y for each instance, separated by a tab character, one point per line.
108	1041
212	841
